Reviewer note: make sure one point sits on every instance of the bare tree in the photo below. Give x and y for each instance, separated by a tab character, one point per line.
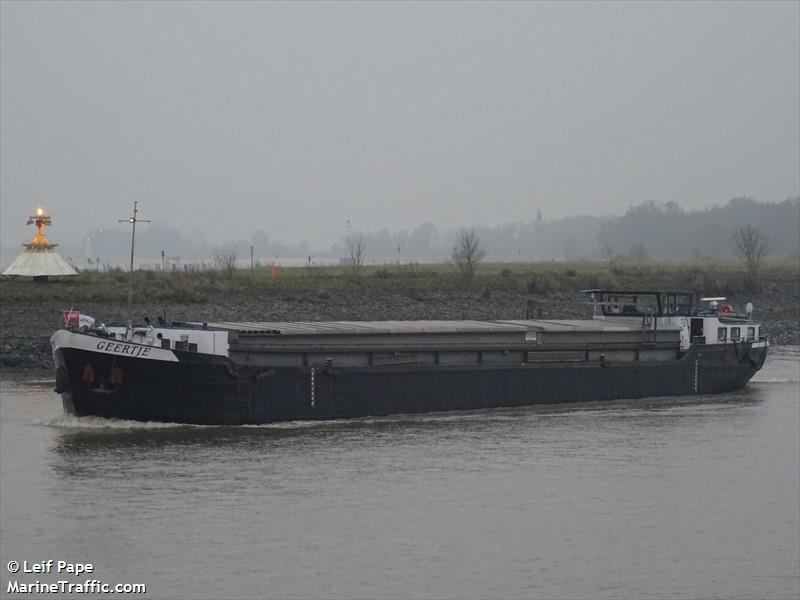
638	253
751	246
608	240
467	253
225	260
356	250
608	249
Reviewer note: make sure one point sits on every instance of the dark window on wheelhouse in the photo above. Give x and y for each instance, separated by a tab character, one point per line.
670	308
677	304
751	334
629	304
722	334
736	334
696	328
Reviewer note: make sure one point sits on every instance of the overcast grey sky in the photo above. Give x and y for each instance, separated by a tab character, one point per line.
230	117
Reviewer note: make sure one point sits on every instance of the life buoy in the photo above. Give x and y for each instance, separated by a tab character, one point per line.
88	374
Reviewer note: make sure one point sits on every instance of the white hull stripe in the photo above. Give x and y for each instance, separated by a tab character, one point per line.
90	343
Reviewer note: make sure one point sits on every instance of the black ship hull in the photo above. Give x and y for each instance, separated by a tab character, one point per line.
210	389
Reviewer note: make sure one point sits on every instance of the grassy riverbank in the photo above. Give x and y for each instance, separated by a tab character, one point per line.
30	312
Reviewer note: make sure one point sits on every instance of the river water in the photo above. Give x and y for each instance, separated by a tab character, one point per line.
679	498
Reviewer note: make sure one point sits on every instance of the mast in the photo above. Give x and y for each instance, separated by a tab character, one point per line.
132	220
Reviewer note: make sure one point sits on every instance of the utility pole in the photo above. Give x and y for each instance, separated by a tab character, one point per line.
132	220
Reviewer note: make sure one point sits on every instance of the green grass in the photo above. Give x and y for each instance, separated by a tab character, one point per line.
538	278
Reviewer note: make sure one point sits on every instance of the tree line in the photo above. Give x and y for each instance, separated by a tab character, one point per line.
647	231
643	232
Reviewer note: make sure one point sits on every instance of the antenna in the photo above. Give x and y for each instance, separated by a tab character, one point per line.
132	220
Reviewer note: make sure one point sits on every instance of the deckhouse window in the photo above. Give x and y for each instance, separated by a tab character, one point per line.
751	334
722	334
628	304
736	334
672	305
684	305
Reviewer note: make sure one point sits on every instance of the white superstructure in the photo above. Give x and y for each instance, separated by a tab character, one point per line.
204	341
710	322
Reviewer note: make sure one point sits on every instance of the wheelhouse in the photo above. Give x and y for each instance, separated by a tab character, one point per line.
612	303
702	320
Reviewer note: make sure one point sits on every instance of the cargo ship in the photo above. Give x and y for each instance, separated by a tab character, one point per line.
637	344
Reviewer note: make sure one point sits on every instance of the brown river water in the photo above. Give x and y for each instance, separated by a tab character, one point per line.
658	498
